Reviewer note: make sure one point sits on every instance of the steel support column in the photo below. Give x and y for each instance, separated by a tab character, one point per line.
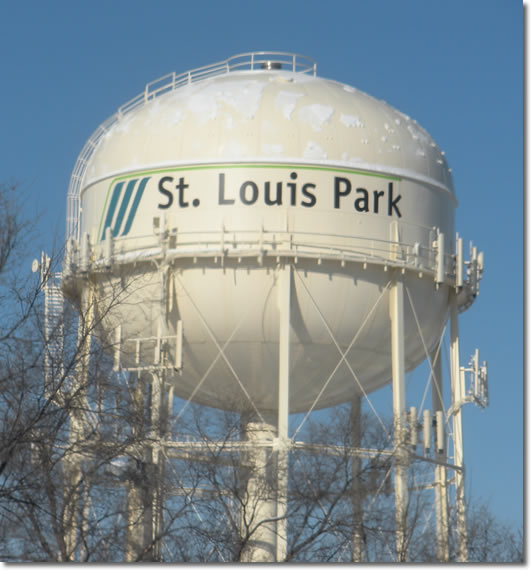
357	487
267	484
396	305
154	460
457	400
259	512
73	461
440	471
136	487
284	307
145	490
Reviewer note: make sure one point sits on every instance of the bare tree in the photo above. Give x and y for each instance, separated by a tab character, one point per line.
87	474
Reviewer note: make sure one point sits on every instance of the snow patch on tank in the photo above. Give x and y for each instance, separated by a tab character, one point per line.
351	120
314	152
176	117
272	149
351	159
317	115
121	127
153	110
286	101
170	117
233	149
418	133
349	89
204	105
244	96
303	77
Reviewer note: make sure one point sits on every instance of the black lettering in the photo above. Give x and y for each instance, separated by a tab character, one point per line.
166	192
180	187
222	201
338	192
311	197
362	204
393	203
293	189
267	198
254	193
377	194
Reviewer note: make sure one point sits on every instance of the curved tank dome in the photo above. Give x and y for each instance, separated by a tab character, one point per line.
275	114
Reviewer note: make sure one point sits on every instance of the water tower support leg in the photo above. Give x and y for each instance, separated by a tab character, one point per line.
457	399
155	462
144	489
284	303
134	496
357	489
269	541
440	472
259	512
73	460
399	416
72	491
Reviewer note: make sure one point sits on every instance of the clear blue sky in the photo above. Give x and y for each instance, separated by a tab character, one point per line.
454	66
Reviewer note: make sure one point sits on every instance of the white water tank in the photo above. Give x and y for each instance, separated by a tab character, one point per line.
193	194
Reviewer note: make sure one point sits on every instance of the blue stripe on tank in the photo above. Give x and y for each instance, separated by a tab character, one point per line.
123	207
134	206
112	207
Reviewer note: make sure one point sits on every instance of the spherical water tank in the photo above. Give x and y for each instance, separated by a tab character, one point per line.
194	194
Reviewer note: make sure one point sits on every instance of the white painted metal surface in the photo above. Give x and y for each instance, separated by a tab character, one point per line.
219	177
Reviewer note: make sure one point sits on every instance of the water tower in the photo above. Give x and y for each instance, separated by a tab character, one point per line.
283	243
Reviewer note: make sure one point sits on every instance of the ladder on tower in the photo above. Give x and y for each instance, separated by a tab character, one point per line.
53	325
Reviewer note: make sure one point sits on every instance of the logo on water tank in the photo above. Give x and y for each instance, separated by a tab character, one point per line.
123	205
